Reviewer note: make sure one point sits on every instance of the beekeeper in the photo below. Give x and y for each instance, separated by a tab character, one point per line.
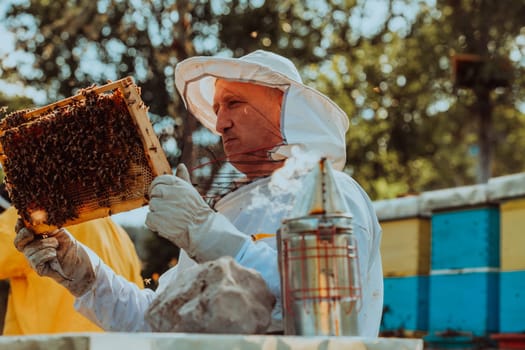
261	109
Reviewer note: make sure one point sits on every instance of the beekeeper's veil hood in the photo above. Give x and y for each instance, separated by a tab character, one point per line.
309	119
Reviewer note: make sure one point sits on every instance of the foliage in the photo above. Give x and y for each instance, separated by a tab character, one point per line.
14	103
160	254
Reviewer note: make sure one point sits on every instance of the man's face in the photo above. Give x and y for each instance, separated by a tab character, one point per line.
249	119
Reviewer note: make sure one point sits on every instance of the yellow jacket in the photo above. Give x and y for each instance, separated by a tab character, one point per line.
39	304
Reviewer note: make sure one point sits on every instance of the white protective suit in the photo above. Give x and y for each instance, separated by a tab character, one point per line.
309	120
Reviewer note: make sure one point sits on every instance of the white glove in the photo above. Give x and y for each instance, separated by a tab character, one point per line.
57	255
179	214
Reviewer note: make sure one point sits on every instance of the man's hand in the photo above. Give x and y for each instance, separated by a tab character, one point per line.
179	214
57	255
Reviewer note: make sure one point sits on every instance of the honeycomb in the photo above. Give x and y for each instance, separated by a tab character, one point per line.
81	158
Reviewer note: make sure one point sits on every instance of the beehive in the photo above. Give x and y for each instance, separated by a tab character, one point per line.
465	238
405	244
85	157
405	247
512	267
464	302
512	301
405	304
512	257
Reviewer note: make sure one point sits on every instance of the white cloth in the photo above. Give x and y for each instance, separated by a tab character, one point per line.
116	305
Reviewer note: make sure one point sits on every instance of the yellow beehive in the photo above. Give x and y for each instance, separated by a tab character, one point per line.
512	244
405	247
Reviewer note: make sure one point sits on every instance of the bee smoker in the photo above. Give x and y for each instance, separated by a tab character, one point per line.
318	261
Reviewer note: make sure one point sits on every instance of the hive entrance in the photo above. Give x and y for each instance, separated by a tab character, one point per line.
85	157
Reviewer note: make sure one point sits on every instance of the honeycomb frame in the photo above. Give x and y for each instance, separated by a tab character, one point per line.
153	156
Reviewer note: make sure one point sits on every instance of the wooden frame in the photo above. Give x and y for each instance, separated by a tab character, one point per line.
153	151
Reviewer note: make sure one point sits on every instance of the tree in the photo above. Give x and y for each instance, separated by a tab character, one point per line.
488	35
412	129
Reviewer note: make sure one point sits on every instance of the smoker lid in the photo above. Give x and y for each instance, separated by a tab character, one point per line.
321	195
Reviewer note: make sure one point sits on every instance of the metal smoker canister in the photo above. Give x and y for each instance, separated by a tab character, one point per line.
318	261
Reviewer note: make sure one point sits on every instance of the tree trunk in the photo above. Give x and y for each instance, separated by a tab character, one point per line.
183	47
485	134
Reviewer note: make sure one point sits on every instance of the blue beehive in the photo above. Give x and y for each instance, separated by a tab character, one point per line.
466	238
464	302
509	191
512	302
405	304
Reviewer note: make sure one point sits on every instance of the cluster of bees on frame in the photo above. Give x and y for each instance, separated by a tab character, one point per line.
52	162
